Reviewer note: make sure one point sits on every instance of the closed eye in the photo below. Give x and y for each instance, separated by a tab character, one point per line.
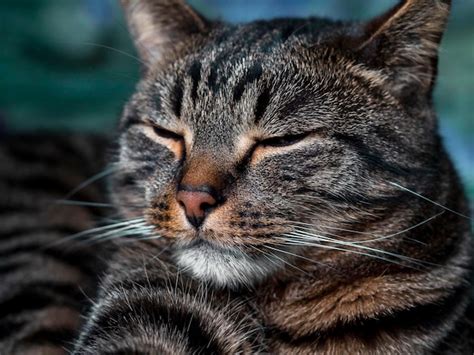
283	141
164	133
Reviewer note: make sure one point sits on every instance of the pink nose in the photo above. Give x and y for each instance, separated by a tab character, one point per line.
197	204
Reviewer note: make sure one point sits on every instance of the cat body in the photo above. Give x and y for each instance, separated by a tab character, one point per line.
286	191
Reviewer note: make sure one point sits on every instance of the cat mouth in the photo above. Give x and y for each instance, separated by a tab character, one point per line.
224	266
201	243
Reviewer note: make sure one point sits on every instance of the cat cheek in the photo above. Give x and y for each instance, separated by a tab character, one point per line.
167	220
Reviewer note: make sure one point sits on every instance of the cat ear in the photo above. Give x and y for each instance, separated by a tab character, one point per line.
404	42
159	27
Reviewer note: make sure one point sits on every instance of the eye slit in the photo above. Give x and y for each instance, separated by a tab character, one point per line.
164	133
283	141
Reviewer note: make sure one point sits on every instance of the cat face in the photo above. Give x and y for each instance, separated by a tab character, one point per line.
242	142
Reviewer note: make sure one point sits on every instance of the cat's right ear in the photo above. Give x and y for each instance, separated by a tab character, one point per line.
160	27
403	44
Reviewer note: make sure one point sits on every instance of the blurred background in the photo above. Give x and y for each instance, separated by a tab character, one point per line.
68	64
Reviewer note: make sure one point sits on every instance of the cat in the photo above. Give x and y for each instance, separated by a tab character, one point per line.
45	285
282	188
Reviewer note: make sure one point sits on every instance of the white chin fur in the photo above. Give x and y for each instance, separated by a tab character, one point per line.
224	267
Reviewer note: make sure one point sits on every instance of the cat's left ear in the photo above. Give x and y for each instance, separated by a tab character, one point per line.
403	43
161	28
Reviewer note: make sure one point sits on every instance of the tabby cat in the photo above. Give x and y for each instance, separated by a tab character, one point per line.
276	187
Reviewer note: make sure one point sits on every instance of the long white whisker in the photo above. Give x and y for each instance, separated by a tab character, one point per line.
295	255
151	237
93	204
402	231
377	238
303	234
283	261
311	237
91	180
134	228
115	50
98	229
84	203
427	199
132	231
305	243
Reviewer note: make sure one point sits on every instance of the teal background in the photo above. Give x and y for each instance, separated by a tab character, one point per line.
69	64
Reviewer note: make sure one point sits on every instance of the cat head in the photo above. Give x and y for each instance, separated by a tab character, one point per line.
247	145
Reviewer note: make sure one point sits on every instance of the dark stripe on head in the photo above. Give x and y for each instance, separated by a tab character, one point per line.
177	98
252	75
262	104
212	78
294	104
195	73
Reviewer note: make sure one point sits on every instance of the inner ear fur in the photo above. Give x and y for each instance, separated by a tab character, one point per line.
404	43
160	28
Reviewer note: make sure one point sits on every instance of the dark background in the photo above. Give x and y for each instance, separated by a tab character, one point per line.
68	64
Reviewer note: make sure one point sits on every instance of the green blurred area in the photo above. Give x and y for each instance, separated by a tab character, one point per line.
54	72
69	64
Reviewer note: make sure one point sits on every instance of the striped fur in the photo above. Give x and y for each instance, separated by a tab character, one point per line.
146	306
44	285
339	224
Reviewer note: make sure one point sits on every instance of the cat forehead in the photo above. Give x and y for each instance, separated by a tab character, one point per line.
230	51
244	75
234	93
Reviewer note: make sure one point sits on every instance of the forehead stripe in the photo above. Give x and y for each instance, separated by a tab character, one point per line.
262	104
195	73
177	98
252	75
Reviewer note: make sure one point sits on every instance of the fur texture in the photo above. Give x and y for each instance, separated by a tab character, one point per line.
339	224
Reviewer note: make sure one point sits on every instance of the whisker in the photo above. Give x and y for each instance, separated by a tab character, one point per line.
282	260
371	240
295	255
91	180
429	200
152	237
305	243
83	203
94	204
302	235
112	227
307	235
115	50
133	231
311	227
403	231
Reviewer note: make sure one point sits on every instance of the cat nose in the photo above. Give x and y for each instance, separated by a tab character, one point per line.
197	202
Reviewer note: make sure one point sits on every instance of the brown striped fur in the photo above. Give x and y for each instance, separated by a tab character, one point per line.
339	224
45	284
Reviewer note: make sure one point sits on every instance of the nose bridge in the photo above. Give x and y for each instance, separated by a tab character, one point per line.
200	188
204	169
